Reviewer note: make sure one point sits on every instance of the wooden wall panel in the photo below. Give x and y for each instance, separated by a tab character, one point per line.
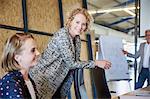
94	49
83	36
69	5
84	51
87	77
4	34
11	13
88	83
42	41
72	91
43	15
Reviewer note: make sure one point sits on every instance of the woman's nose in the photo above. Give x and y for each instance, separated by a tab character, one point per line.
37	53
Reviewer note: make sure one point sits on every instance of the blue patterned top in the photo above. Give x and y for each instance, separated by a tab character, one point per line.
12	85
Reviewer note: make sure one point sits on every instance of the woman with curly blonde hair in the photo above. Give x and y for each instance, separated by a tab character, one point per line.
58	63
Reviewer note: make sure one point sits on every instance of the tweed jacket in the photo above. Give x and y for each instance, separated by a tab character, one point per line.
13	86
58	58
140	53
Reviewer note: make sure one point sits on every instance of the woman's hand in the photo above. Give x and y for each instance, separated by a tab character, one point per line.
103	64
124	52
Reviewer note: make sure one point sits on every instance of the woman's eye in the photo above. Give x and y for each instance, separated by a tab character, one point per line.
33	50
84	24
77	22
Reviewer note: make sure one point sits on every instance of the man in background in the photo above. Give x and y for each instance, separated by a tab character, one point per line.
144	65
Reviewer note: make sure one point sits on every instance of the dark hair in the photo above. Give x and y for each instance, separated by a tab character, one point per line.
147	31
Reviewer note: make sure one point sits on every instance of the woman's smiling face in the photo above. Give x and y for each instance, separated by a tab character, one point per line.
78	25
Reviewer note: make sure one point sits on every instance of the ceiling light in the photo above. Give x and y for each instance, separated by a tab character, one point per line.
130	12
110	10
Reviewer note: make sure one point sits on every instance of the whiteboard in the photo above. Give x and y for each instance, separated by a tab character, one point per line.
111	50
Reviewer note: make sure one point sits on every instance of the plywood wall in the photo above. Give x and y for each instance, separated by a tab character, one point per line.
11	13
4	34
69	5
94	48
43	15
87	77
42	41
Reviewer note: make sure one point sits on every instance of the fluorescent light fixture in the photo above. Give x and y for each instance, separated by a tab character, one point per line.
110	10
130	12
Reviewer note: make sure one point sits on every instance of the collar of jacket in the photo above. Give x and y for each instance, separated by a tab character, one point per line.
76	48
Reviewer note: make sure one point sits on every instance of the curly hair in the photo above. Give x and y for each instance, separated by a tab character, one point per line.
81	11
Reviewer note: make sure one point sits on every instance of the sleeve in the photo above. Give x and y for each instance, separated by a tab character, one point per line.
68	56
137	54
12	89
49	55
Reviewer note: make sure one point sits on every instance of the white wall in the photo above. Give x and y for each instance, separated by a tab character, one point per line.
101	30
144	16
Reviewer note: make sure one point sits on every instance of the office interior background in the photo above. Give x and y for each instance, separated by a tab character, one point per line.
119	18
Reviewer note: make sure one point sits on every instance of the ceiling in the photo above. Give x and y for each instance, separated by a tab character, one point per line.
122	20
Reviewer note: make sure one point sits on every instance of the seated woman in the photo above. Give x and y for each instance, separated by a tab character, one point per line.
19	55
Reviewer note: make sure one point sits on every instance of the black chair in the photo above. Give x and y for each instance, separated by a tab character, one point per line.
100	82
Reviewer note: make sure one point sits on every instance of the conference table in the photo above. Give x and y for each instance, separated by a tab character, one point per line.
142	93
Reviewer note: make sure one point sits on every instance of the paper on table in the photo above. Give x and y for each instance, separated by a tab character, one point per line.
143	93
137	95
133	97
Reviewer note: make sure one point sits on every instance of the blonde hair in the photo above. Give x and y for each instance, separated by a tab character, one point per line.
81	11
12	47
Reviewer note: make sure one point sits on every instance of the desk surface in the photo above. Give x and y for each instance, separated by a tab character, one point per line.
142	93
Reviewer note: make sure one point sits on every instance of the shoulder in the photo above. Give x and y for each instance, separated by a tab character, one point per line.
142	44
61	36
11	78
63	32
10	84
